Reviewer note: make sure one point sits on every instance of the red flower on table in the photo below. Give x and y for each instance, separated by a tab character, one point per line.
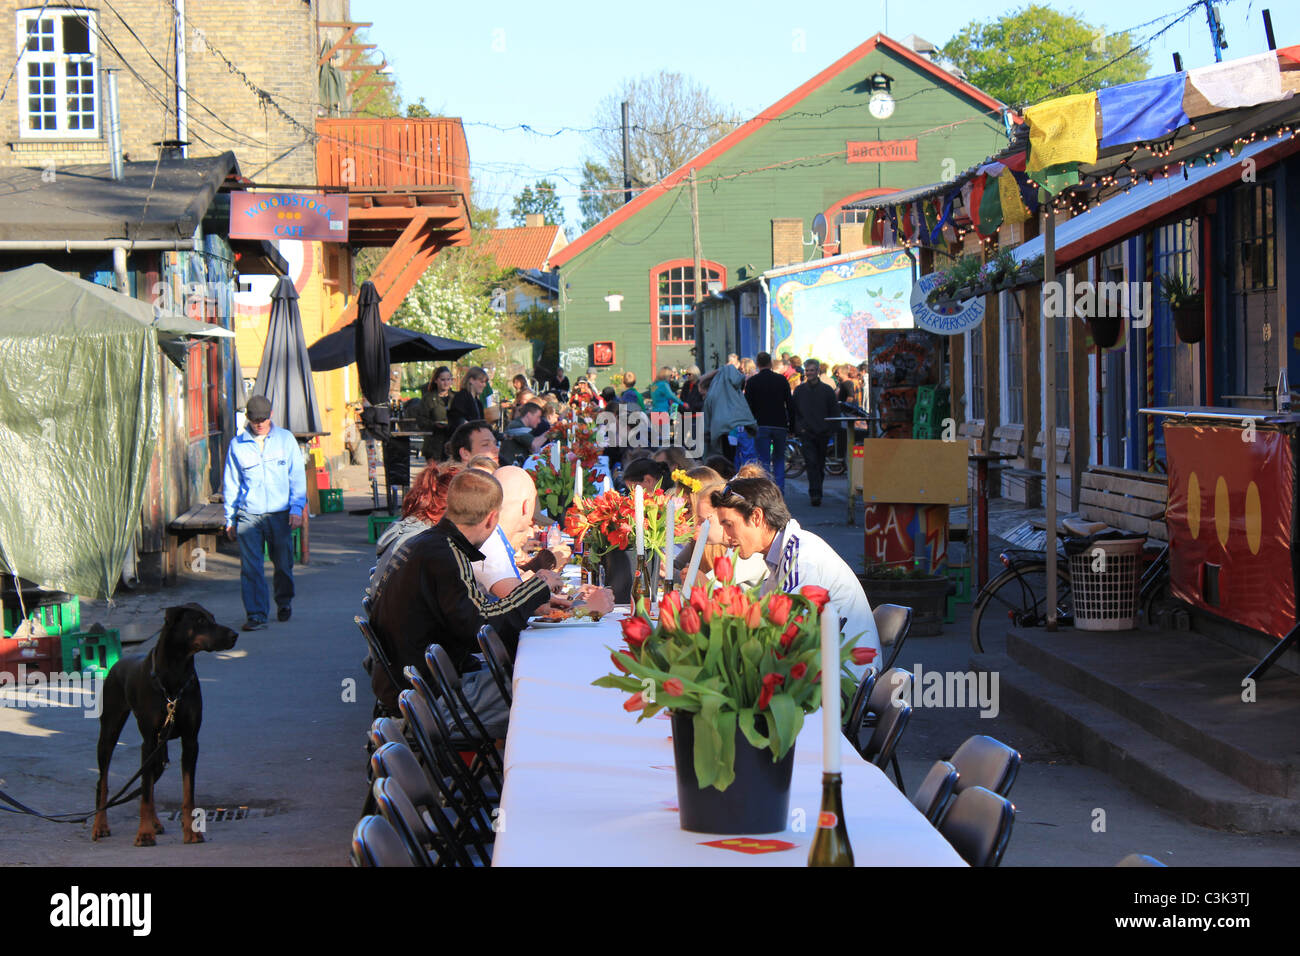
818	595
669	609
770	683
635	631
754	616
689	621
618	663
722	569
788	634
863	655
778	608
797	672
673	687
635	702
699	599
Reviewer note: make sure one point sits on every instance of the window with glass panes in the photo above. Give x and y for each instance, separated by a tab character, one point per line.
1013	327
675	297
1253	294
59	93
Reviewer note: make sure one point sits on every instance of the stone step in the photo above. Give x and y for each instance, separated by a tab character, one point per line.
1185	689
1154	768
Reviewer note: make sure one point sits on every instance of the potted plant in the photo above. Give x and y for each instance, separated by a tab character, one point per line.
924	592
1187	306
605	525
737	673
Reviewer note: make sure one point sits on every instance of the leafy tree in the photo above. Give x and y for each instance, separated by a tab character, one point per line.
1036	53
670	117
418	110
538	198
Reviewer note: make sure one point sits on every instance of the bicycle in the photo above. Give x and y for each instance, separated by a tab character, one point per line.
1022	590
795	465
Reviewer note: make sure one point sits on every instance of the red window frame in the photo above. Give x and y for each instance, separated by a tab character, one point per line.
713	272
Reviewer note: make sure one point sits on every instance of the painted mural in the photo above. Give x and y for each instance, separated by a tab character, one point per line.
826	311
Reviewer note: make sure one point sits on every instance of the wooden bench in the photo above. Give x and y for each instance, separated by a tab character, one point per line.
1128	500
1062	447
1010	440
200	525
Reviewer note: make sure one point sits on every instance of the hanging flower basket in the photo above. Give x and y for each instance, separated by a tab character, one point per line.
1189	323
1105	330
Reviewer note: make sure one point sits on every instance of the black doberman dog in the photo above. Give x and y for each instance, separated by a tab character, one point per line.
162	690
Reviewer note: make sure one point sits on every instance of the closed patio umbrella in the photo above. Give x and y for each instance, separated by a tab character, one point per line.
284	376
373	365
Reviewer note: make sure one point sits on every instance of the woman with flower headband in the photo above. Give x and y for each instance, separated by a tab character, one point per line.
701	482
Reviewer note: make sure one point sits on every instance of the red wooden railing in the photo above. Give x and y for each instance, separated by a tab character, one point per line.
398	153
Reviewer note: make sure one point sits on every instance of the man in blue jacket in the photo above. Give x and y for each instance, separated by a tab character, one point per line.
265	486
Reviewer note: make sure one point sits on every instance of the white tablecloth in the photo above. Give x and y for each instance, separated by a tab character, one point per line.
588	785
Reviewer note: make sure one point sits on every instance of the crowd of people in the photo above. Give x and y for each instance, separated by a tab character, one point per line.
471	548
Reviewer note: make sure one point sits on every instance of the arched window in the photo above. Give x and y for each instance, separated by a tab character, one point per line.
837	215
672	299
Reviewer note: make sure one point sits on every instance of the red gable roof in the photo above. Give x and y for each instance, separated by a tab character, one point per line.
752	126
523	247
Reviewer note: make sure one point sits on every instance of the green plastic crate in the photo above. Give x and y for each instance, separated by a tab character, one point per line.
331	501
297	546
379	524
60	619
92	652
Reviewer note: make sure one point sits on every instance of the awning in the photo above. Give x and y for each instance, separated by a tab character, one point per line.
1143	206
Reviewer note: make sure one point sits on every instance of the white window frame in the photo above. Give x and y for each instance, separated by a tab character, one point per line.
60	61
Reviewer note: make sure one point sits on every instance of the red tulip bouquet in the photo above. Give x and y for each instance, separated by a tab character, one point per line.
735	661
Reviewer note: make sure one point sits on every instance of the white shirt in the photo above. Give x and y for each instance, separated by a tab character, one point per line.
497	565
798	558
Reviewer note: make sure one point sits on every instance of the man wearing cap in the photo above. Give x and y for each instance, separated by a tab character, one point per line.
265	487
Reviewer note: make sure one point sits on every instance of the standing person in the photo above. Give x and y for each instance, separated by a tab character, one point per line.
630	395
662	398
265	490
467	405
726	413
814	402
692	400
431	417
769	399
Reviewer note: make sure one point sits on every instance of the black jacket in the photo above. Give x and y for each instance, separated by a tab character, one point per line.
768	395
427	595
464	408
814	402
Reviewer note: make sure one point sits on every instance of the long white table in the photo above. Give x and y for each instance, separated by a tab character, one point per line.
587	785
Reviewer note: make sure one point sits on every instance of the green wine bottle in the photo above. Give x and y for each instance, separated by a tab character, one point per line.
641	583
830	846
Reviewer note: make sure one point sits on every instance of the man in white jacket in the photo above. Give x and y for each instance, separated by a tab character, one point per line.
755	519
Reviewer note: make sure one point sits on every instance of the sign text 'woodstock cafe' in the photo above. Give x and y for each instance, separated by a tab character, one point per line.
306	216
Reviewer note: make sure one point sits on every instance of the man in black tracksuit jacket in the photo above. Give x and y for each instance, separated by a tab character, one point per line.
768	395
814	402
428	595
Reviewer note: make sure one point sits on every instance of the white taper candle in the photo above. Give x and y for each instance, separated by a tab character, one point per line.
701	539
830	691
577	481
639	498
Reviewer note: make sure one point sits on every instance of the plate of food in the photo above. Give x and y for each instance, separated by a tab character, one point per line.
573	617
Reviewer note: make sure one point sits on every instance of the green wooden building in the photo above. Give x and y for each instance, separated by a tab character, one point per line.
881	118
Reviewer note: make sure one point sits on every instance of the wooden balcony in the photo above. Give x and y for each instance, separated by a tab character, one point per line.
392	155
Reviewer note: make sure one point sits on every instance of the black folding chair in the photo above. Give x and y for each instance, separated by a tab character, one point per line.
894	685
893	622
457	743
380	656
460	789
397	809
376	843
879	748
984	762
448	681
498	661
978	825
856	710
398	763
382	730
936	790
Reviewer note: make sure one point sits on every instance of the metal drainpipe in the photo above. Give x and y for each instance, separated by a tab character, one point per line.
114	126
182	98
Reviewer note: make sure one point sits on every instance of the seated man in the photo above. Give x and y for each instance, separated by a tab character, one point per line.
499	572
472	439
756	521
521	438
427	594
647	473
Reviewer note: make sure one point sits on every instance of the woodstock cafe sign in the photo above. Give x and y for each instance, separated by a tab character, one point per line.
946	320
306	216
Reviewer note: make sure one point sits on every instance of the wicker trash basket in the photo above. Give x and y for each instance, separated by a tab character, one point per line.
1104	581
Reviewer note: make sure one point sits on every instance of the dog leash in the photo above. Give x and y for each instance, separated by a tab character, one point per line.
118	798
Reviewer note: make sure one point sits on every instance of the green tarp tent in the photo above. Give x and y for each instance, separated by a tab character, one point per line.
79	421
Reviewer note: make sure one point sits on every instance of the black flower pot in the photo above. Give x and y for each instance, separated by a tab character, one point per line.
1105	330
1189	323
758	800
618	566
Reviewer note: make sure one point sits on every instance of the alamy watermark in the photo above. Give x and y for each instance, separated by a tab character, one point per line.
1088	300
947	689
24	689
637	429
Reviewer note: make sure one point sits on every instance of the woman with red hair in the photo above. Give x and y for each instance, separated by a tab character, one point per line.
426	500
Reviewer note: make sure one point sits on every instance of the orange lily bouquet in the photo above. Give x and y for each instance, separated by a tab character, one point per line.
579	439
607	522
733	660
